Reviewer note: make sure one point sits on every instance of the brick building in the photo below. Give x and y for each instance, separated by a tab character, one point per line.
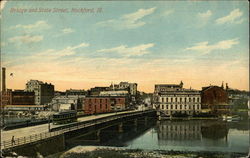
103	104
6	97
18	97
214	99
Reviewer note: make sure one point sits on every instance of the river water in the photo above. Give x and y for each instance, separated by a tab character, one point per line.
190	135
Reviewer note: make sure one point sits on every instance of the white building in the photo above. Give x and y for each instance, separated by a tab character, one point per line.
132	87
173	98
61	103
114	93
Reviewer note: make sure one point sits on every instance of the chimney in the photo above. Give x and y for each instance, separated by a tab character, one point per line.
3	79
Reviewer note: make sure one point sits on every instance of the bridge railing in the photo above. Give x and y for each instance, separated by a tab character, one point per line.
28	139
64	129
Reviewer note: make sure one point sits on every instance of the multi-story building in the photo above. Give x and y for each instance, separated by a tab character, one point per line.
5	97
131	87
103	104
215	99
72	102
96	91
75	92
18	97
44	92
173	98
114	93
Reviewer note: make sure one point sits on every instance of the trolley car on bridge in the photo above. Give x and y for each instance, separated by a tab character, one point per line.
64	117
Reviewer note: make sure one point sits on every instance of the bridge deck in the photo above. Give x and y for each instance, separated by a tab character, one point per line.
30	134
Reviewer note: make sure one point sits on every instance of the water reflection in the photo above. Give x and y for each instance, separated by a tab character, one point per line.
183	133
113	135
190	135
215	130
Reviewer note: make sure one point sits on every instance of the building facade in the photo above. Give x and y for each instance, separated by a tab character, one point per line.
61	103
96	91
17	97
131	87
44	92
6	97
75	92
114	93
215	99
173	98
20	97
103	104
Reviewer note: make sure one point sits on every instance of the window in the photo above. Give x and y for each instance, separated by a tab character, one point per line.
167	99
185	100
162	106
162	99
198	99
180	99
175	99
193	99
180	106
166	106
171	107
171	100
189	99
175	106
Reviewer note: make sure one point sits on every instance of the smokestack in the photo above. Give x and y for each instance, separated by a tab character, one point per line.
3	80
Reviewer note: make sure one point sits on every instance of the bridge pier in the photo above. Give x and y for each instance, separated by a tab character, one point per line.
135	122
98	135
120	127
145	120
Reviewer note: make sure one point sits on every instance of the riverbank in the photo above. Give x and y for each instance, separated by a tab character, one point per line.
109	152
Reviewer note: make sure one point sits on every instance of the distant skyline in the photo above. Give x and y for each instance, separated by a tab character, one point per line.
79	45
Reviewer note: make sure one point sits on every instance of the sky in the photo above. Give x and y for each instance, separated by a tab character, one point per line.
79	45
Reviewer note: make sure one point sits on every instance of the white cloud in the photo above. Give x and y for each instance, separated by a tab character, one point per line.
52	53
126	51
203	18
128	21
39	25
67	31
168	12
3	3
205	15
205	48
233	17
25	39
